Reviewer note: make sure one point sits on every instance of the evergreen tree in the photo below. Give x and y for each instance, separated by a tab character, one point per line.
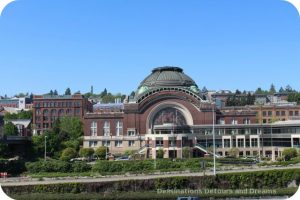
68	91
272	89
55	93
51	92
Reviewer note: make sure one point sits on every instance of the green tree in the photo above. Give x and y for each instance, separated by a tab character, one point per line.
51	92
72	126
290	153
186	152
10	129
160	153
272	89
68	154
101	152
104	93
86	152
68	91
55	93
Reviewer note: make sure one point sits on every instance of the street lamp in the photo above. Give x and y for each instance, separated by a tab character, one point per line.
45	157
214	138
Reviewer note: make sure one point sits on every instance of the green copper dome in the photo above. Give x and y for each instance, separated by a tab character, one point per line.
167	76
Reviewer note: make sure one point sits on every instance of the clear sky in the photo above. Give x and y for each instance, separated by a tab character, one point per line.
114	44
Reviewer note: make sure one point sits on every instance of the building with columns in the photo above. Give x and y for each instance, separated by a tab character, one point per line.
169	113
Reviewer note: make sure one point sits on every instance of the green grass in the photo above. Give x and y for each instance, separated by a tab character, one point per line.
147	195
281	163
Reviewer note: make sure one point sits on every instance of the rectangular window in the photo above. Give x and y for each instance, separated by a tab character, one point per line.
296	113
131	143
119	128
264	113
234	121
277	113
282	113
93	144
226	143
106	143
240	143
131	132
291	113
254	142
106	128
94	129
118	143
269	113
159	143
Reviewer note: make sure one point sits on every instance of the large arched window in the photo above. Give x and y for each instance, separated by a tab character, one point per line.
53	112
169	116
45	112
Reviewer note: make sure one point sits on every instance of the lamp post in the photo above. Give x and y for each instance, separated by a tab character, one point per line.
214	138
45	156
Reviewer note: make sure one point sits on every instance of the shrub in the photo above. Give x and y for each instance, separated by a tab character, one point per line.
81	167
101	152
290	153
160	153
12	167
68	154
86	152
48	166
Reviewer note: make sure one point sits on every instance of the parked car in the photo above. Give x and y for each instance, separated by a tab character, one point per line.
78	159
188	198
123	158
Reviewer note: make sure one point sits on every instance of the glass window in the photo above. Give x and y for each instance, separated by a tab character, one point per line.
94	128
269	113
93	144
106	128
118	143
227	143
131	132
106	143
282	113
277	113
291	113
131	143
254	142
296	113
119	128
264	113
38	112
45	112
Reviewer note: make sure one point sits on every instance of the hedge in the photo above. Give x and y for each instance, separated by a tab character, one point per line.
273	179
57	166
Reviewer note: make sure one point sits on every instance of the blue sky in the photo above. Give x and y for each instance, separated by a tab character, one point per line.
114	44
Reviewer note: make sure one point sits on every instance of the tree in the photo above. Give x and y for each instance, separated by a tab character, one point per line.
68	91
55	93
72	126
86	152
10	129
288	88
281	90
186	152
160	153
104	93
290	153
272	89
204	90
68	154
51	92
101	152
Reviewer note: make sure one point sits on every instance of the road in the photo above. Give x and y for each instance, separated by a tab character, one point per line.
22	181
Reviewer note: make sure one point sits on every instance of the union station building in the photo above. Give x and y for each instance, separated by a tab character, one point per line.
168	112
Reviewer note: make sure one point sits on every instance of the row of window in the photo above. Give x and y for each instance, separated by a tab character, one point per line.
118	143
106	129
234	121
58	104
59	112
280	113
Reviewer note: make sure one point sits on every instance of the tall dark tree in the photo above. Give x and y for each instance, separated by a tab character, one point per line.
104	93
51	92
68	91
132	94
281	90
272	89
204	90
55	93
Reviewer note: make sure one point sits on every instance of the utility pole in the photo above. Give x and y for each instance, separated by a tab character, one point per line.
214	138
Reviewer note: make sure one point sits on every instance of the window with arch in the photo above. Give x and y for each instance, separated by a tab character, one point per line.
61	112
53	112
169	116
46	112
119	128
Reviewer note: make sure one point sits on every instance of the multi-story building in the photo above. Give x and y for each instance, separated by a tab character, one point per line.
168	112
17	103
47	108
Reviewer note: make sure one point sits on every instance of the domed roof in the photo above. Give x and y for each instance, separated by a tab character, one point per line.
168	76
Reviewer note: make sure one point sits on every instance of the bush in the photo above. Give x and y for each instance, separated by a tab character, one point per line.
12	167
101	152
86	152
68	154
160	154
48	166
290	153
81	167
